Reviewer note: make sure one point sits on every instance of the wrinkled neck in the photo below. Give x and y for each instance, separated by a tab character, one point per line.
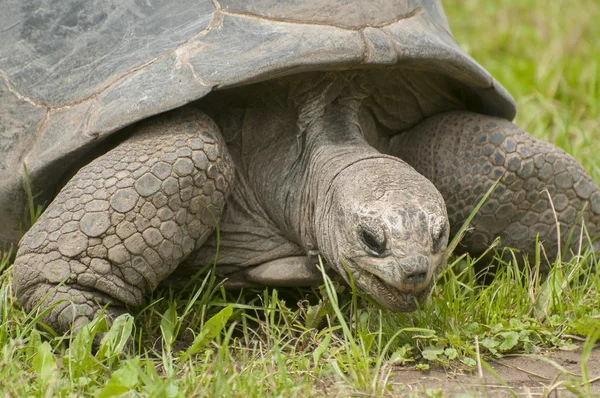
294	146
333	144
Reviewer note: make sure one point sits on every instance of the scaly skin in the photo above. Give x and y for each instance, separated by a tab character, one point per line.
464	153
125	221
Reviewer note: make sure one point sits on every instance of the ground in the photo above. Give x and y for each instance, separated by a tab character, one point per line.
526	376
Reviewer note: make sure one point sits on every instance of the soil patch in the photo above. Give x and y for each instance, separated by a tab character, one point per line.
545	375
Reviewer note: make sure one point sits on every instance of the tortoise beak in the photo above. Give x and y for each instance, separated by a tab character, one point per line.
397	284
411	274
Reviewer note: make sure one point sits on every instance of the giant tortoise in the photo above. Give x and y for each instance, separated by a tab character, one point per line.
145	125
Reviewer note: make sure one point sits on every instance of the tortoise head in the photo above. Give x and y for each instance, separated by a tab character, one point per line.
387	226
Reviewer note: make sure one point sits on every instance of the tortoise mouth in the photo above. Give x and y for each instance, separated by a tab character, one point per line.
387	295
395	300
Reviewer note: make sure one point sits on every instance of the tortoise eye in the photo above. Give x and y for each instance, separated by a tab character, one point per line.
373	244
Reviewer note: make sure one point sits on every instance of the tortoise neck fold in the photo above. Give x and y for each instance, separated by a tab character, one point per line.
295	141
330	143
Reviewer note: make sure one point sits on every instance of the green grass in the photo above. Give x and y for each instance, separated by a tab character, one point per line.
216	343
211	343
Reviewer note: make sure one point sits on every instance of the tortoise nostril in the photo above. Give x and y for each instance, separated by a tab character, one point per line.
416	277
416	271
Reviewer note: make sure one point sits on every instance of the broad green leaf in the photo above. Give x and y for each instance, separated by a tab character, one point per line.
80	348
322	348
172	389
83	381
113	390
367	340
568	347
431	353
115	340
44	363
168	324
511	339
316	313
34	341
472	329
363	321
497	328
451	353
210	330
122	380
516	324
489	343
402	355
312	316
585	326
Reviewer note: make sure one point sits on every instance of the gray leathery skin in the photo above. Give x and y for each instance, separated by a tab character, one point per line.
464	153
126	220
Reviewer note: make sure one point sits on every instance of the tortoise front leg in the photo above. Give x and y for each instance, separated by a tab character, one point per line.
464	153
125	221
